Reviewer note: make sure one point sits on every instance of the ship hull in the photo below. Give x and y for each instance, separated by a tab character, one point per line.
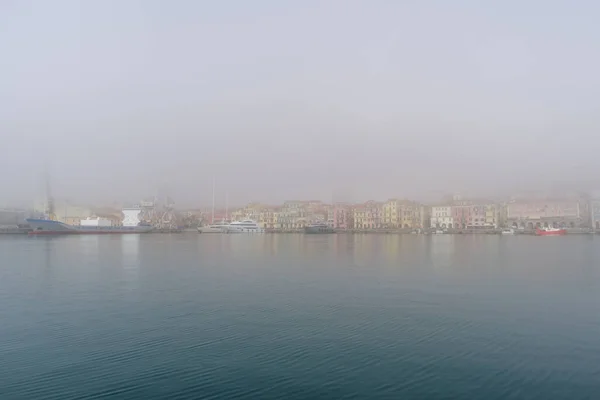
48	227
210	229
557	232
244	230
315	230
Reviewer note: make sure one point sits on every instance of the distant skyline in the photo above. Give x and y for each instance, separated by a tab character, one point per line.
297	100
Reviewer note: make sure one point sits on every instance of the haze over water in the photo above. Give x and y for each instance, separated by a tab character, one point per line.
345	99
296	317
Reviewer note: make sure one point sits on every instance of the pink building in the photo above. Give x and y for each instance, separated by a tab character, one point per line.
462	214
374	214
342	216
549	212
477	216
468	214
543	209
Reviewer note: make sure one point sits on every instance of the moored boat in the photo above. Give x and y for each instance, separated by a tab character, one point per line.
90	225
214	228
318	228
550	231
245	226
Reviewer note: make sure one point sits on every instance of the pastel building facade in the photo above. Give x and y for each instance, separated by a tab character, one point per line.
293	215
478	216
402	214
595	209
410	213
441	217
390	216
342	216
529	214
367	216
462	215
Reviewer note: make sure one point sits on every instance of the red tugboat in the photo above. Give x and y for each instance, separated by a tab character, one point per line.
550	231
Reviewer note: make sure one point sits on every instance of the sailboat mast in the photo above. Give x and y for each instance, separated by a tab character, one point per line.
226	205
212	220
49	200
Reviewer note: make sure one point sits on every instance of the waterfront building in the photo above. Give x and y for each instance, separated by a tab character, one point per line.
424	216
462	214
292	216
330	218
531	213
268	218
474	214
316	212
367	215
359	216
342	216
391	214
595	209
410	215
441	217
492	216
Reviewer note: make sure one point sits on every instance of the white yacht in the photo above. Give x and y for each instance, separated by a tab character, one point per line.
214	228
245	226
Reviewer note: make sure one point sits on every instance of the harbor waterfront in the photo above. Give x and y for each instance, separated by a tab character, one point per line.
299	316
567	213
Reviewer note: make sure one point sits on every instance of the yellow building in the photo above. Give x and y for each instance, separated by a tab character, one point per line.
411	215
390	217
402	214
267	218
492	215
359	217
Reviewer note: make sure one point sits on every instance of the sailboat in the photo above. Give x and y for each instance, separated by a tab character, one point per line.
214	227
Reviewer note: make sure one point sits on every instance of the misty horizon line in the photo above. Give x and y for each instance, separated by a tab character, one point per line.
220	205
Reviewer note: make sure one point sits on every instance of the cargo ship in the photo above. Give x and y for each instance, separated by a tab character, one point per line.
550	231
90	225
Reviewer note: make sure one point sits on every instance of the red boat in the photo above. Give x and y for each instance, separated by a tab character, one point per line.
550	231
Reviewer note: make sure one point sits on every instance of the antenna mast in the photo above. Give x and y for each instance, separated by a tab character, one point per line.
212	219
49	200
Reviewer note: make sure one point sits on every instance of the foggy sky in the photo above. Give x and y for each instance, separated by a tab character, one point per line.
313	99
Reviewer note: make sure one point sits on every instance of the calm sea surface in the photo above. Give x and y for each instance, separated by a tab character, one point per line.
300	317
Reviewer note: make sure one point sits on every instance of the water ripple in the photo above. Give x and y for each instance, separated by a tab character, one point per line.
199	320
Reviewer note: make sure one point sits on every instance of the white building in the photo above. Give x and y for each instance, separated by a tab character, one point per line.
441	217
95	222
131	216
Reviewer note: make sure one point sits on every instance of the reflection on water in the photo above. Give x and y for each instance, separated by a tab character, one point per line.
296	317
441	250
89	245
130	260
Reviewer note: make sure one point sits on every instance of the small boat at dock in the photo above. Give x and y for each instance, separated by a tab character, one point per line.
318	228
550	231
245	226
214	228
